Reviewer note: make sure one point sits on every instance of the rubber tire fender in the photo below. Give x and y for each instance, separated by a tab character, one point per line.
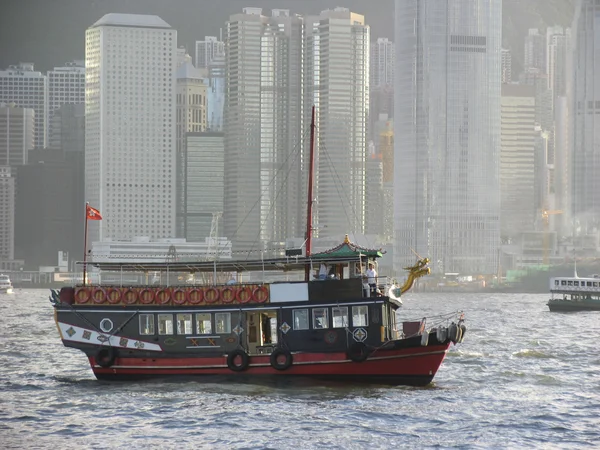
106	357
358	352
238	367
289	359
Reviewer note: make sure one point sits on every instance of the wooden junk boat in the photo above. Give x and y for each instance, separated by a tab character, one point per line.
258	326
330	328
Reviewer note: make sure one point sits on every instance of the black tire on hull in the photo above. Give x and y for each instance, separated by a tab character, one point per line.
358	352
244	360
289	359
106	357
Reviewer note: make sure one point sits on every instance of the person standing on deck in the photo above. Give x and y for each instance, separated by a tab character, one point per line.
372	279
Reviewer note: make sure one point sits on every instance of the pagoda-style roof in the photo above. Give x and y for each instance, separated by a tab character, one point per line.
348	249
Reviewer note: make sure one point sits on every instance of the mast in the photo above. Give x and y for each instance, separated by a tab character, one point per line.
309	204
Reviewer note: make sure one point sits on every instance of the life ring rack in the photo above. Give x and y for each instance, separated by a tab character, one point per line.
82	294
180	296
98	295
228	294
163	296
212	298
130	296
195	296
113	296
147	296
260	294
241	298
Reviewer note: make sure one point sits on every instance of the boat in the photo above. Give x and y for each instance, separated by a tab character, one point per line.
574	293
256	319
6	286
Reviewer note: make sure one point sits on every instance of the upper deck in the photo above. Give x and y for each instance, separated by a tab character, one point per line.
575	284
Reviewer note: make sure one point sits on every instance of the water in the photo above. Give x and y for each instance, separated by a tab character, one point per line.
524	377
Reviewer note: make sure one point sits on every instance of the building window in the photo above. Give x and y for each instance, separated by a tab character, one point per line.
184	324
360	316
223	323
300	319
339	317
320	318
203	323
165	324
147	324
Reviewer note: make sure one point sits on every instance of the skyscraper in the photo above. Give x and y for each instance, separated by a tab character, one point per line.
16	134
447	113
66	86
559	43
506	66
585	171
130	159
207	50
263	126
27	88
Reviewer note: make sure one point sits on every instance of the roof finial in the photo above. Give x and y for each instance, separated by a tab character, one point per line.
346	240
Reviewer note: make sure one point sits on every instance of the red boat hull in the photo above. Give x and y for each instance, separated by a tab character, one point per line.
414	366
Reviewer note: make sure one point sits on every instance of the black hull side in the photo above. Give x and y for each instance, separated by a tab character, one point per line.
572	307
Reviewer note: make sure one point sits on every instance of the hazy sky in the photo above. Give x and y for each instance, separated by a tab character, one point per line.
51	32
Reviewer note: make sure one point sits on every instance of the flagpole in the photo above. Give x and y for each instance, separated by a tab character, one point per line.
85	243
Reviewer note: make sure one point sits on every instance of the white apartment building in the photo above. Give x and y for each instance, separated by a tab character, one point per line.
27	88
7	216
506	66
447	128
207	50
66	85
383	59
16	134
130	164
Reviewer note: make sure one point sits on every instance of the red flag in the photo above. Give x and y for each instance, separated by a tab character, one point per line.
92	213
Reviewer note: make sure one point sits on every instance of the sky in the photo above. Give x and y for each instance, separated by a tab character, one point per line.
51	32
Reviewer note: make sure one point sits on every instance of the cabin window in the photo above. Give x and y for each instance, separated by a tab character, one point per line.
556	283
203	323
223	323
360	316
320	318
184	324
146	324
595	284
570	283
589	283
340	317
575	283
165	324
301	319
563	283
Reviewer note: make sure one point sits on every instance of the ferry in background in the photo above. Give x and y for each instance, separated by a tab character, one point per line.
574	293
6	286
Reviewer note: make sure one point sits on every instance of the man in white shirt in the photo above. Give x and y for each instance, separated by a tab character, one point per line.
372	279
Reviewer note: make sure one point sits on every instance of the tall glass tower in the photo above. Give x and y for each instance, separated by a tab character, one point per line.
447	127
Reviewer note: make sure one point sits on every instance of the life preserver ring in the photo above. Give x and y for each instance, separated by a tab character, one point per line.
98	296
260	294
228	294
244	295
163	296
243	362
82	295
358	352
180	296
113	296
211	295
106	357
130	297
276	363
147	296
195	296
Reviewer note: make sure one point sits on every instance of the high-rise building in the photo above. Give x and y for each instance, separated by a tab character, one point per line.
27	88
191	118
16	134
263	128
130	161
585	182
215	94
7	219
67	128
447	112
207	50
340	47
66	86
506	66
535	51
203	169
517	160
559	43
382	63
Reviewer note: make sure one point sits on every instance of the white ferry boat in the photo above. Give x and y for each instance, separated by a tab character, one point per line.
575	293
5	284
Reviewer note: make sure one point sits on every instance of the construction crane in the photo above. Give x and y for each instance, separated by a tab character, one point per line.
546	213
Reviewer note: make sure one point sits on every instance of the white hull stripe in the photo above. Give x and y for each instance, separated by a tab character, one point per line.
73	333
302	363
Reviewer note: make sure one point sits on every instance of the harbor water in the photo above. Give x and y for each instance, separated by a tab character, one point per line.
522	378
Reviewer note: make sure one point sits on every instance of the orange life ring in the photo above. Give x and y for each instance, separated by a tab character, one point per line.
180	296
228	294
82	295
261	294
98	295
147	296
195	296
244	294
130	297
163	296
113	295
211	295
